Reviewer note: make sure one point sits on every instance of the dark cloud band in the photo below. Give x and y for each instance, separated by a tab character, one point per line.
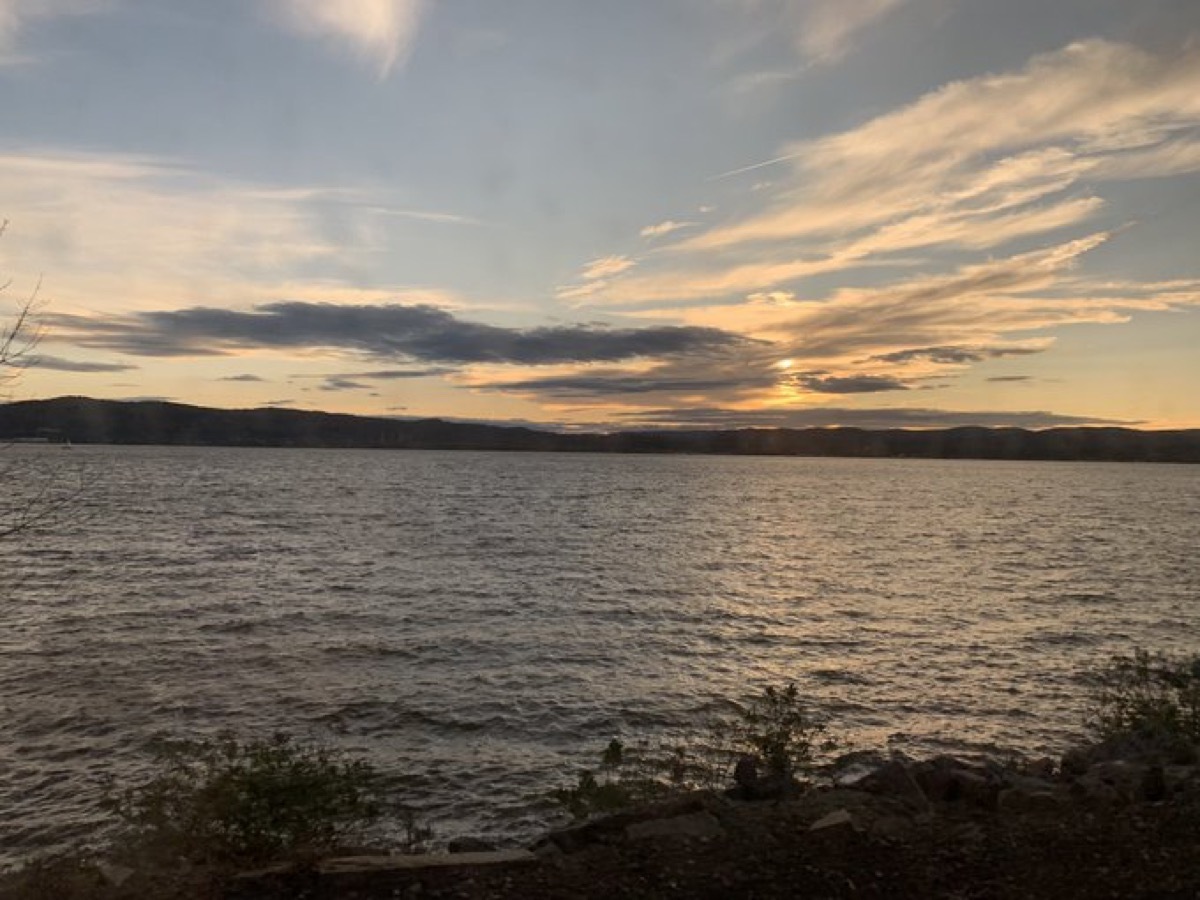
390	331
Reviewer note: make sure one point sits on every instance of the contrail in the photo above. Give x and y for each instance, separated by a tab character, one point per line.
769	162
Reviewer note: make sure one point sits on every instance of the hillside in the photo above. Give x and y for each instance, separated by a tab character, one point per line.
81	420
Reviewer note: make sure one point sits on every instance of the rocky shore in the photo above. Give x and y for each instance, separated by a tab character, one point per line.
1115	820
1100	822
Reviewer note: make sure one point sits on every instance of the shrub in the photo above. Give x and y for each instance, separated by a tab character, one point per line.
628	776
779	729
223	800
1147	696
775	726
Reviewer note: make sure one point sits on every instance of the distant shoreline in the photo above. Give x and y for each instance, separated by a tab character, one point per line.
82	420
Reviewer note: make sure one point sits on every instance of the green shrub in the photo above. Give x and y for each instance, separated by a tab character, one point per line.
1147	696
627	777
778	727
775	726
223	800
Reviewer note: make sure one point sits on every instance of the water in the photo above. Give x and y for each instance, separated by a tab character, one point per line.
479	625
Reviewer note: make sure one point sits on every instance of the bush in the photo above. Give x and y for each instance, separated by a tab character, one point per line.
1148	697
776	727
628	777
224	800
779	729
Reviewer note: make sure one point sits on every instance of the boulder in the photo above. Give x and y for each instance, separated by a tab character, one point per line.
1023	800
1044	767
114	873
1113	781
839	819
850	768
895	779
945	779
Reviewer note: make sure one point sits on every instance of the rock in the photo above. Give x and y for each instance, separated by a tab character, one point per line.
850	768
945	779
470	845
1075	762
1021	800
700	826
1153	787
114	874
1032	785
895	829
895	779
745	774
838	819
366	865
611	828
1112	781
1043	767
1182	779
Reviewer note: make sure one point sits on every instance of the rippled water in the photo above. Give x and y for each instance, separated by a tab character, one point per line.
480	624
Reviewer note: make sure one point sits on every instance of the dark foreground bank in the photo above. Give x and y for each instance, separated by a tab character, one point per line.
1095	824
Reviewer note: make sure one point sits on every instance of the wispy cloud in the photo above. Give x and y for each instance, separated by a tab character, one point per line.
826	28
945	173
58	364
828	416
15	15
662	229
1070	114
820	31
379	31
91	219
607	266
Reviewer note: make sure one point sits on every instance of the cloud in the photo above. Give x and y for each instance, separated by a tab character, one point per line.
822	383
423	215
772	298
334	383
607	266
616	383
16	14
1010	378
974	304
821	31
88	219
397	374
956	355
826	417
1067	114
386	331
664	228
380	31
242	378
944	173
58	364
827	26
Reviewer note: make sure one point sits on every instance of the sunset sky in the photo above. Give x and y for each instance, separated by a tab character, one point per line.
618	214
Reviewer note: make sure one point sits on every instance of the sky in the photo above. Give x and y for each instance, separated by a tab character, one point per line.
628	214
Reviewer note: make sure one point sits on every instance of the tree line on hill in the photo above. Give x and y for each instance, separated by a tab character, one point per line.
81	420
